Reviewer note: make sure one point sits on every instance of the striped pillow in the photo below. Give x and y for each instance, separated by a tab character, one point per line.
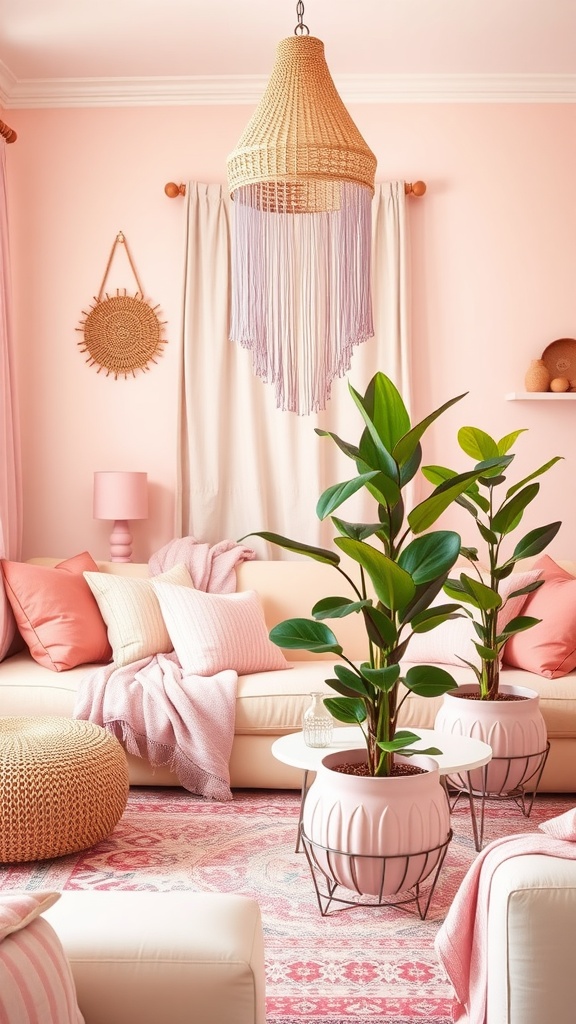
214	632
36	982
132	614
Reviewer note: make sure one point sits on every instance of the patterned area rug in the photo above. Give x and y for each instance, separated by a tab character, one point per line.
355	966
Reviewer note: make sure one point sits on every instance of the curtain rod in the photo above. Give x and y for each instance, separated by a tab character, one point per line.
7	132
411	188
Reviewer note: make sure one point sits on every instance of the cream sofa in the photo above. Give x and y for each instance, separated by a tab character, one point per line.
530	941
145	957
271	704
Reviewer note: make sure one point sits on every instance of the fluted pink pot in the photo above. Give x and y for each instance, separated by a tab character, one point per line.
514	729
365	819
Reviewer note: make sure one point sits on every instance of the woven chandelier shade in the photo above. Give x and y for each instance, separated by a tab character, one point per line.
301	142
302	181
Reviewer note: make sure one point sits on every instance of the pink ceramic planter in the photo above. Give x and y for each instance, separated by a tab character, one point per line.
356	822
514	729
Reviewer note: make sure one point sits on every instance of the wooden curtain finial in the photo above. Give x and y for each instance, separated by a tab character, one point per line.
415	188
172	190
7	132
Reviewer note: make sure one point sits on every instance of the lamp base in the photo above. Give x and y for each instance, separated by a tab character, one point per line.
121	542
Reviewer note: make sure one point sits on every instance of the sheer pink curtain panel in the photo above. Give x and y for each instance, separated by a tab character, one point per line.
10	470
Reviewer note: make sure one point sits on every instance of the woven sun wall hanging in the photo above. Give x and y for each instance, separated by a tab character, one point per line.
122	333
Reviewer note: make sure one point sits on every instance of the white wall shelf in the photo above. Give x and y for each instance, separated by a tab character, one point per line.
541	396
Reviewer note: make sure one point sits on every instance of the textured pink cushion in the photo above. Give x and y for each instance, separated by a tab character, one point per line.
36	983
213	632
561	827
549	648
56	612
453	641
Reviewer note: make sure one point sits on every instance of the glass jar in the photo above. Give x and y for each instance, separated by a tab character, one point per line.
317	722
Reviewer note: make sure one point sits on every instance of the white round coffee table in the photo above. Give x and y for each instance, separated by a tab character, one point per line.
460	755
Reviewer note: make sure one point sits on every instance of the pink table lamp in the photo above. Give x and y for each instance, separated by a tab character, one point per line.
120	496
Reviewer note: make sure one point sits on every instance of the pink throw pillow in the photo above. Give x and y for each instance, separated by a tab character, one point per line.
549	648
36	981
56	612
214	632
561	827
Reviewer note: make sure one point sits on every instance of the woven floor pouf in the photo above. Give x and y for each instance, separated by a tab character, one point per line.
63	786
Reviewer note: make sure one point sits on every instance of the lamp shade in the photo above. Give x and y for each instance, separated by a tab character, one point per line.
120	495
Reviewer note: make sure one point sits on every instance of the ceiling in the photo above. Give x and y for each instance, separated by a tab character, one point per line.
66	52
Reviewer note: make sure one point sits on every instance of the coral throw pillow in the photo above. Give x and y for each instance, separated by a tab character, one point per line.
132	614
214	632
36	982
549	648
453	641
56	612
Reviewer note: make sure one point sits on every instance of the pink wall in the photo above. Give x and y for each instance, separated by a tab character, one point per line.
494	265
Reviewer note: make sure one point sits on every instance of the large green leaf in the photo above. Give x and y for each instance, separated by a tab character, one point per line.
537	472
405	447
336	607
435	616
428	557
318	554
384	487
510	513
477	443
505	443
423	598
351	680
392	585
358	531
438	475
380	628
305	635
534	542
409	468
485	597
346	709
517	625
337	494
382	678
350	450
383	410
427	512
429	680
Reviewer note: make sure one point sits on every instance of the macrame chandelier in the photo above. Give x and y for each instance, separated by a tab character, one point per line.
302	181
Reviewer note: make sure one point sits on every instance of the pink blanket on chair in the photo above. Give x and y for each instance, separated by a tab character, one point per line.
461	941
183	721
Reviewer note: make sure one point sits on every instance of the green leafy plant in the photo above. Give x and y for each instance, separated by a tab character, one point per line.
495	520
405	563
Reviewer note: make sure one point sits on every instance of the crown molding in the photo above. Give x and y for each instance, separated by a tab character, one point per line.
248	89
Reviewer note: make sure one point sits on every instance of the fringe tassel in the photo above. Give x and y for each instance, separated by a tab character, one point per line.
301	290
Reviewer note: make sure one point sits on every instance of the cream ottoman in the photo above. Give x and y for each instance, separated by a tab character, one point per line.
63	786
147	957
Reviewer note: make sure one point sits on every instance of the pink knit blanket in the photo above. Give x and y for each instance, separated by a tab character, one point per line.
157	712
461	941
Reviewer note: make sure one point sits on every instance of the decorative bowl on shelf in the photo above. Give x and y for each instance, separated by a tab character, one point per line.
559	358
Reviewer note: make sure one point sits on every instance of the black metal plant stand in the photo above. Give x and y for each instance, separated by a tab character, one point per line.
332	896
522	795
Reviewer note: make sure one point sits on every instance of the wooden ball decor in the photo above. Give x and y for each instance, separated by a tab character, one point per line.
122	333
560	384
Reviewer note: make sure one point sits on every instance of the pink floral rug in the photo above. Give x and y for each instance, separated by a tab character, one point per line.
355	966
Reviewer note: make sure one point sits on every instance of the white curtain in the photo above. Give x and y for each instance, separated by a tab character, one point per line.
243	464
10	474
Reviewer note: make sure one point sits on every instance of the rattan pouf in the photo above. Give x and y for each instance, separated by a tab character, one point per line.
63	786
